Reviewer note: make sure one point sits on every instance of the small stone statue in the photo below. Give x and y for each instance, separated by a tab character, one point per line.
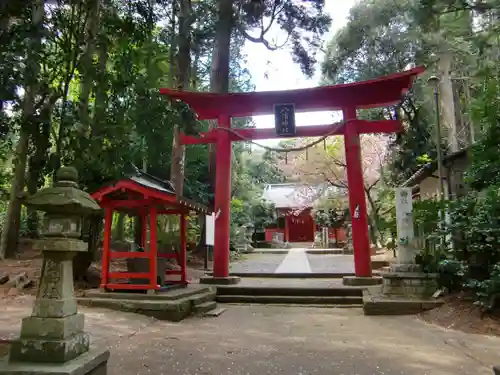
244	238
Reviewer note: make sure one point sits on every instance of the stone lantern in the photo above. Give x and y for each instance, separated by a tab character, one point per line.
249	231
53	339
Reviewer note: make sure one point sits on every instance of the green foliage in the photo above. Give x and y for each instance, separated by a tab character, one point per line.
331	212
472	253
485	165
251	171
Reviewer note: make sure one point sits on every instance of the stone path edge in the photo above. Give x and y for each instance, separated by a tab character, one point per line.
311	275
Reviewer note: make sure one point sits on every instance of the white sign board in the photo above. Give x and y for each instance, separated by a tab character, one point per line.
210	229
404	222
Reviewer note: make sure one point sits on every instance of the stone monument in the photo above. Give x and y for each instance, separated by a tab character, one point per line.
349	247
325	240
244	238
405	278
53	340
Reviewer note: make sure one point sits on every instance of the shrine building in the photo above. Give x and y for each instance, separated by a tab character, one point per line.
294	204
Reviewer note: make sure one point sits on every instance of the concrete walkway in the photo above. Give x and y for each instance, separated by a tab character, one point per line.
295	262
274	340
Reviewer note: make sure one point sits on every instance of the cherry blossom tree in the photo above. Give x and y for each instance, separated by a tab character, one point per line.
325	163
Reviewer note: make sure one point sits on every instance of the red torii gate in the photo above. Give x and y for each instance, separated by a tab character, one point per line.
348	98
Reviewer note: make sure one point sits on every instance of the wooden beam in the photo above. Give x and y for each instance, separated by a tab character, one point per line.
128	203
362	126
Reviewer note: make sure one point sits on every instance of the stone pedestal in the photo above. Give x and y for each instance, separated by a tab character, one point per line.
361	281
405	288
93	362
408	281
406	278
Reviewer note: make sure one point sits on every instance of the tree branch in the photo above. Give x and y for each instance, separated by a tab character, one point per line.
260	39
371	186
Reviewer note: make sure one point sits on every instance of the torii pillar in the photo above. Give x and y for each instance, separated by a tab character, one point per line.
348	98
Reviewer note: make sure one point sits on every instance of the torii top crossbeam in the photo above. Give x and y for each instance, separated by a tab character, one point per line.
373	93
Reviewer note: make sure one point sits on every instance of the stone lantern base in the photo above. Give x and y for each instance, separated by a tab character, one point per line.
93	362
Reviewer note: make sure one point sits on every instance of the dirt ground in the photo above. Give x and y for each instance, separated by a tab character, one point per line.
460	314
456	313
277	340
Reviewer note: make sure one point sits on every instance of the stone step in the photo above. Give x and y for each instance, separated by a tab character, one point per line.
205	307
281	299
319	251
167	295
202	298
319	306
171	310
288	291
294	275
215	312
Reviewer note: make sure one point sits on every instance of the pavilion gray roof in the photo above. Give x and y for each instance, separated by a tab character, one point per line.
293	195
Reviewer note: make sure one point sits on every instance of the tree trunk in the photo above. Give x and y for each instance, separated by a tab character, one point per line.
120	227
373	219
138	231
92	228
38	161
32	185
10	232
82	261
219	74
184	44
101	87
173	42
447	100
86	64
183	73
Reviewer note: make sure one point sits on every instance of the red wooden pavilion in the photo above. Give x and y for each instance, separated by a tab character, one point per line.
143	196
345	97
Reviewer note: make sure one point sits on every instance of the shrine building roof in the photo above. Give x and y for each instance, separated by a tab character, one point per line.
139	189
294	195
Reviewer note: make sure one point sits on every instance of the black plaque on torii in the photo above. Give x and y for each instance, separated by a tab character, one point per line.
284	119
